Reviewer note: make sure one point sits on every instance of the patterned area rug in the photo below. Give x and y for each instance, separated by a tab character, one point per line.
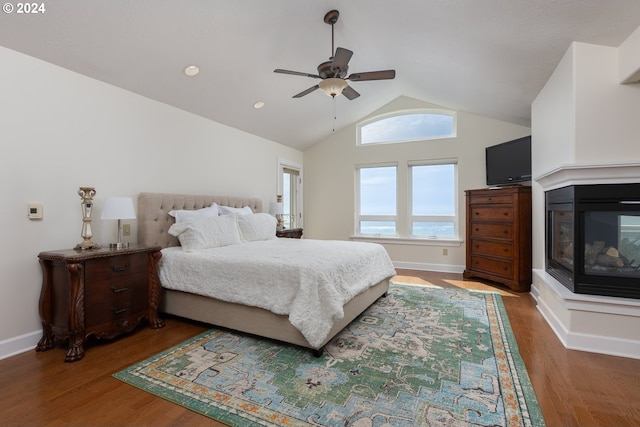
420	356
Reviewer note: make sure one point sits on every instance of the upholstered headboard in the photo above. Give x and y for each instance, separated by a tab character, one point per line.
154	219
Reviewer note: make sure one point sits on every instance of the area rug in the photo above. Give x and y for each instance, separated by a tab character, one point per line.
419	356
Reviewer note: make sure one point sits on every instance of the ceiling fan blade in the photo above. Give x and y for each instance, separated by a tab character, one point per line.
341	59
296	73
373	75
350	93
306	92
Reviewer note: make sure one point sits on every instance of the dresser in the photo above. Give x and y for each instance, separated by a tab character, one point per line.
101	292
499	236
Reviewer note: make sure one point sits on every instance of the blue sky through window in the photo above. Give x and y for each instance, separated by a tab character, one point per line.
433	188
378	191
407	127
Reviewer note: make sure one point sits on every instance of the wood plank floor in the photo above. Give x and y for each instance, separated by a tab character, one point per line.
38	389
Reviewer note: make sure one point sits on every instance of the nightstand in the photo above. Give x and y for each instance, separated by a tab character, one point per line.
102	292
291	233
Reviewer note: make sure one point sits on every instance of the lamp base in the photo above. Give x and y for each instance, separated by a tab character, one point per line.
119	245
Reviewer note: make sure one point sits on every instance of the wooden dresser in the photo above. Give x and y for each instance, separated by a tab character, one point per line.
102	292
499	236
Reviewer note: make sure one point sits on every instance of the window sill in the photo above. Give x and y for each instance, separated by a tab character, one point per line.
456	242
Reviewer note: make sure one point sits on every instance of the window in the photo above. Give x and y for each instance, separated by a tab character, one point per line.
433	200
290	183
290	187
415	201
407	126
377	200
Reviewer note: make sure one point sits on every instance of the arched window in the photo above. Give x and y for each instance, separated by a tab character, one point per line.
412	125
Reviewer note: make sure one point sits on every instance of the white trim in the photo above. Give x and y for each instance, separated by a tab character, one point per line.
444	268
586	173
558	306
20	344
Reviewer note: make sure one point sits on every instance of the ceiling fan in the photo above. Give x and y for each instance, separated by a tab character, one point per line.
333	72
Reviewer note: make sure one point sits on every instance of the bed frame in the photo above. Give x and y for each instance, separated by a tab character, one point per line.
153	225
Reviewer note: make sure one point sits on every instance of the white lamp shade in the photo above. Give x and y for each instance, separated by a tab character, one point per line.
276	208
333	86
118	208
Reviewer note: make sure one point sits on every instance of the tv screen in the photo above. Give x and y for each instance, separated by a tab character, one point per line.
509	162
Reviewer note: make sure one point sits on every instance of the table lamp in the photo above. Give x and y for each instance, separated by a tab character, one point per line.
118	208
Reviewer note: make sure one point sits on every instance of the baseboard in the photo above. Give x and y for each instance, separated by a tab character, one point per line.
20	344
443	268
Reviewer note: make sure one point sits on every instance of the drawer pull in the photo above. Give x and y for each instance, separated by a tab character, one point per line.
118	290
120	269
121	310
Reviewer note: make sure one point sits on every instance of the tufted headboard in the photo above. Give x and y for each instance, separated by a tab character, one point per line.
154	219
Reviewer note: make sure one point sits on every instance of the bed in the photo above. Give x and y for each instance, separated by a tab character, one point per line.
154	223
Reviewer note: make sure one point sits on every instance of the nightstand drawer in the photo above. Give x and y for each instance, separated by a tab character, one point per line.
492	213
502	231
116	266
492	248
106	290
490	265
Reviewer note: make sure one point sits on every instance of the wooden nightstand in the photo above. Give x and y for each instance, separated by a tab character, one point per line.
291	233
103	292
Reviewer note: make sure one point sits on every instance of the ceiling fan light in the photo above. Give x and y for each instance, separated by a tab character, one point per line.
333	86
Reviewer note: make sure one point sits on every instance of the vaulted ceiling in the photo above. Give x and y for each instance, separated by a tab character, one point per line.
489	57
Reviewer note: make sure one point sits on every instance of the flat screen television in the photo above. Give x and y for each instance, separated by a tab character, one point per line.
509	163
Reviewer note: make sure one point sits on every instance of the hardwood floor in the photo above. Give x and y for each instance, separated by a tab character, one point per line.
38	389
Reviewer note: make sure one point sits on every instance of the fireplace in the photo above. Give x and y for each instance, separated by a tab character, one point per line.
593	238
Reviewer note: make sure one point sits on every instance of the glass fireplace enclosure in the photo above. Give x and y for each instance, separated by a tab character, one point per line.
593	238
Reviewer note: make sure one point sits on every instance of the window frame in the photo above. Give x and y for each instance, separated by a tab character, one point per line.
404	216
425	111
298	203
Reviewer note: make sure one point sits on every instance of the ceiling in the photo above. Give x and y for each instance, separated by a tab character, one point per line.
488	57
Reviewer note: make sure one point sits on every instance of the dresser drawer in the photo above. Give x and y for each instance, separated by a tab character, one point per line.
492	248
504	213
502	231
494	266
116	266
484	199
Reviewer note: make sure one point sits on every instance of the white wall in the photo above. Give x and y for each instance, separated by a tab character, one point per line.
61	130
582	117
330	169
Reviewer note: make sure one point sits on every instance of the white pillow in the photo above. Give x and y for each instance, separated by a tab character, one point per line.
260	226
183	215
205	232
227	210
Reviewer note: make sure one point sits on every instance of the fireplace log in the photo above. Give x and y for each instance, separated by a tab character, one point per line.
609	261
611	251
591	252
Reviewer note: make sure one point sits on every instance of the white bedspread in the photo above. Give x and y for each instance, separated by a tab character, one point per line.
308	280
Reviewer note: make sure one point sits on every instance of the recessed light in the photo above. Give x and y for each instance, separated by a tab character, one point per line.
258	105
192	70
